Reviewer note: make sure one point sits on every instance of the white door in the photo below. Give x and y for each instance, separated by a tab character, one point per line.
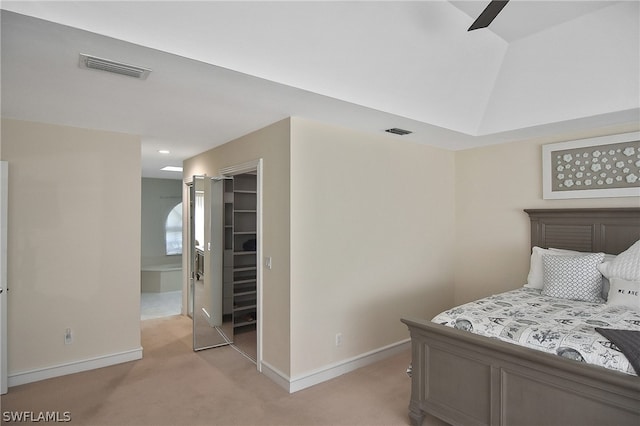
3	275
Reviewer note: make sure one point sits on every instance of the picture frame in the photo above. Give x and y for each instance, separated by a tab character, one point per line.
606	166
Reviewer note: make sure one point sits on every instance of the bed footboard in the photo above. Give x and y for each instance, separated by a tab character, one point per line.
466	379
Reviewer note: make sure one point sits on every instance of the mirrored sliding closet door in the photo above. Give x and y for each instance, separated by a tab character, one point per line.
210	306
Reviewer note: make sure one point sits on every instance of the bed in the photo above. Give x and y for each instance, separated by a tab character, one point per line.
469	379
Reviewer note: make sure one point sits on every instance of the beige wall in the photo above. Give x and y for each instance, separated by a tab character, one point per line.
362	229
372	238
73	244
493	186
272	145
361	232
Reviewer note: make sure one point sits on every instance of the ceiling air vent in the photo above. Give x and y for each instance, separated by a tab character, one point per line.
397	131
95	63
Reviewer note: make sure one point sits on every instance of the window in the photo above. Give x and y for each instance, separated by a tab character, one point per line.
173	231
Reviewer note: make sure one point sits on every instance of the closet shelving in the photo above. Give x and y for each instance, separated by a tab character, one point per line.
240	249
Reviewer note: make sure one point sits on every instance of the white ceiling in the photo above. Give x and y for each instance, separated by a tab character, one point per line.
224	69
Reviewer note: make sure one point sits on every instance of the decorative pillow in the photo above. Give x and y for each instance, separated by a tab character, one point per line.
573	277
605	280
536	271
626	265
624	293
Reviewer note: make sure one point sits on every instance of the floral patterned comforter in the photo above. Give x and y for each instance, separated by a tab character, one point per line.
558	326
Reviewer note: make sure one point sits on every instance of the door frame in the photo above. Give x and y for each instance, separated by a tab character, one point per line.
254	166
4	190
187	252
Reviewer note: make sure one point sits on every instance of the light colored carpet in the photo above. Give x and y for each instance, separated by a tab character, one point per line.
172	385
157	305
246	342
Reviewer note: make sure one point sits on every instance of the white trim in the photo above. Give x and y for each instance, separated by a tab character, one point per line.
257	166
331	371
276	375
259	270
24	377
4	175
334	370
549	194
249	166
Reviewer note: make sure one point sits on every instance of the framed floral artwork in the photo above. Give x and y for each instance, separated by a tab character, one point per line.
607	166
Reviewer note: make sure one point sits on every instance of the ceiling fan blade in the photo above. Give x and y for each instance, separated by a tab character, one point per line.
489	14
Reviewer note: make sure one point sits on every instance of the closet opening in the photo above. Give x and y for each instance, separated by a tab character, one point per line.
244	253
224	296
241	261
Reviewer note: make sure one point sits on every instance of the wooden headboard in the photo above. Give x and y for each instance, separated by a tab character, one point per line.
608	230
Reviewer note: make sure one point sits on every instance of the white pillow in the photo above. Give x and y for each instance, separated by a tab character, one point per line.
626	265
624	293
573	277
534	279
605	280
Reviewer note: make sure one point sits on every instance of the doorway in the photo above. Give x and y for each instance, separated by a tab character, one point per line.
241	261
161	248
230	267
247	250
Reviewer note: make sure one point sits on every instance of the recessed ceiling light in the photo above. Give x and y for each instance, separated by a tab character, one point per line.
171	169
164	151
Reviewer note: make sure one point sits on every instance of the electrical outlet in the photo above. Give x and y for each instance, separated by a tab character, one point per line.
68	337
339	339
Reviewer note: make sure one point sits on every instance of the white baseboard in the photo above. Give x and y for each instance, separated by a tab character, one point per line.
276	375
303	381
24	377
